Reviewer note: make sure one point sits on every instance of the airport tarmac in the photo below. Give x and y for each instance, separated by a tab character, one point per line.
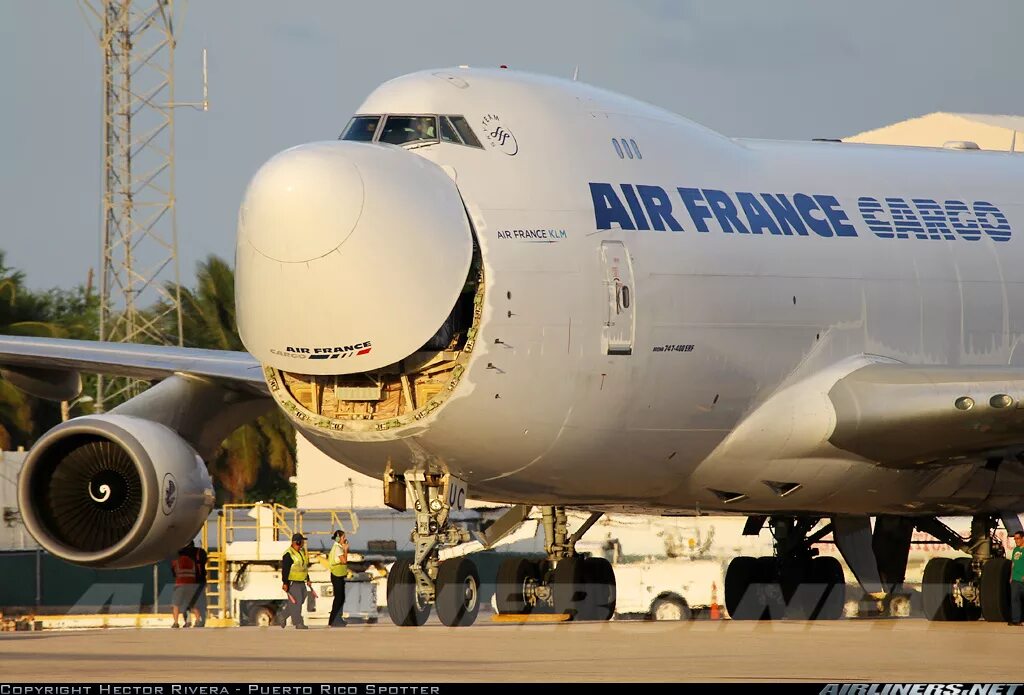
904	650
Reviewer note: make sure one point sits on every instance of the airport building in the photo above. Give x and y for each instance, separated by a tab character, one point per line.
13	535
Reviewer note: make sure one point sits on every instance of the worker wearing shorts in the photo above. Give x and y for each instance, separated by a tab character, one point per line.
186	585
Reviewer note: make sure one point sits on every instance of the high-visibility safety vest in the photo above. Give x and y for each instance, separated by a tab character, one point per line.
338	568
184	570
299	571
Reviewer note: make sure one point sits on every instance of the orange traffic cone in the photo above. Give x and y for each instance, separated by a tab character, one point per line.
716	613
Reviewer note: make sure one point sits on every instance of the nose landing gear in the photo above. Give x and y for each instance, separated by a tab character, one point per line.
453	585
582	588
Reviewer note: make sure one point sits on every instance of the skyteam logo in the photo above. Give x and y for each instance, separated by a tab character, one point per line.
644	208
498	135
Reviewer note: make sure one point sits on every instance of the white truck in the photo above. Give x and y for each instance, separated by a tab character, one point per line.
667	589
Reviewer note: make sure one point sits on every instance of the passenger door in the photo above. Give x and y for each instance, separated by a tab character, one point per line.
617	336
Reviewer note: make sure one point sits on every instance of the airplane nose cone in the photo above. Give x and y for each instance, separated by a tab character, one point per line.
302	204
350	257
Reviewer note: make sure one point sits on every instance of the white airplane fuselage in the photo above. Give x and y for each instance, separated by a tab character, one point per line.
647	286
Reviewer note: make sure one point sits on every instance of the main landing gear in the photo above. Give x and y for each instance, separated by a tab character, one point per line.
794	583
582	588
797	583
967	588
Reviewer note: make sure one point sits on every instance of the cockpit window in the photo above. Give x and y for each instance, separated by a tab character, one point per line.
448	133
399	130
455	129
411	130
465	132
361	129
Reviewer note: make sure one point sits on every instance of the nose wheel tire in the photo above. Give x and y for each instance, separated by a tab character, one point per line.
458	592
404	605
995	590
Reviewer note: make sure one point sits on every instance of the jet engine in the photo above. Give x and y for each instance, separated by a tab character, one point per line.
113	491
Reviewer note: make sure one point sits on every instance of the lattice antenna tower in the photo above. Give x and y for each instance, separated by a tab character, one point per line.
139	297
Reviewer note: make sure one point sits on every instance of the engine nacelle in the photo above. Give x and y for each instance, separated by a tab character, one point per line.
113	491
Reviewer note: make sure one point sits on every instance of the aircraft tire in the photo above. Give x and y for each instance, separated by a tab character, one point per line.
995	590
458	592
567	586
513	574
738	578
937	589
968	611
599	587
404	607
829	572
769	589
804	587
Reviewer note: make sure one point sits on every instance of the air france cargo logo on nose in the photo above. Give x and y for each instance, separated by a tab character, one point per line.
334	352
636	208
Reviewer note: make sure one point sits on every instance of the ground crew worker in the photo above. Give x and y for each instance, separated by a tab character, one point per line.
1017	579
199	603
186	583
338	563
295	578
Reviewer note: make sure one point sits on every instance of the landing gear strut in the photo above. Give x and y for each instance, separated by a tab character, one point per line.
794	583
565	582
452	585
966	588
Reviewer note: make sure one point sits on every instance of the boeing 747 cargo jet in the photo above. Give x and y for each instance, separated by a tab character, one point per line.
536	292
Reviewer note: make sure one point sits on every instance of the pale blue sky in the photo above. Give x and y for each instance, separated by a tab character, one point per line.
285	73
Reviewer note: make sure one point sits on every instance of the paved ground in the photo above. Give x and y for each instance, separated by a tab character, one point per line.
860	650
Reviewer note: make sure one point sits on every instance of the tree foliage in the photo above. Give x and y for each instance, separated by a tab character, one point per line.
23	313
254	463
257	460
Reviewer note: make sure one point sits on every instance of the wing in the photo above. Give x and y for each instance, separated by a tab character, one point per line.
49	367
888	413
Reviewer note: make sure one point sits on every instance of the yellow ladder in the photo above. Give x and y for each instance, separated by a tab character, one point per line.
217	589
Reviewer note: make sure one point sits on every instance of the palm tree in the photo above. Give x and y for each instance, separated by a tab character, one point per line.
22	313
255	462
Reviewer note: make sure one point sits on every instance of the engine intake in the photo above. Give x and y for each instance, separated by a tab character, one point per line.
113	491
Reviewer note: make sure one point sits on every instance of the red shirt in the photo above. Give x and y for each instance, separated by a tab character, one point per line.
184	570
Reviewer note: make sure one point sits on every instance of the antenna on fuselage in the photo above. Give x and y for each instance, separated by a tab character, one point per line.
575	73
